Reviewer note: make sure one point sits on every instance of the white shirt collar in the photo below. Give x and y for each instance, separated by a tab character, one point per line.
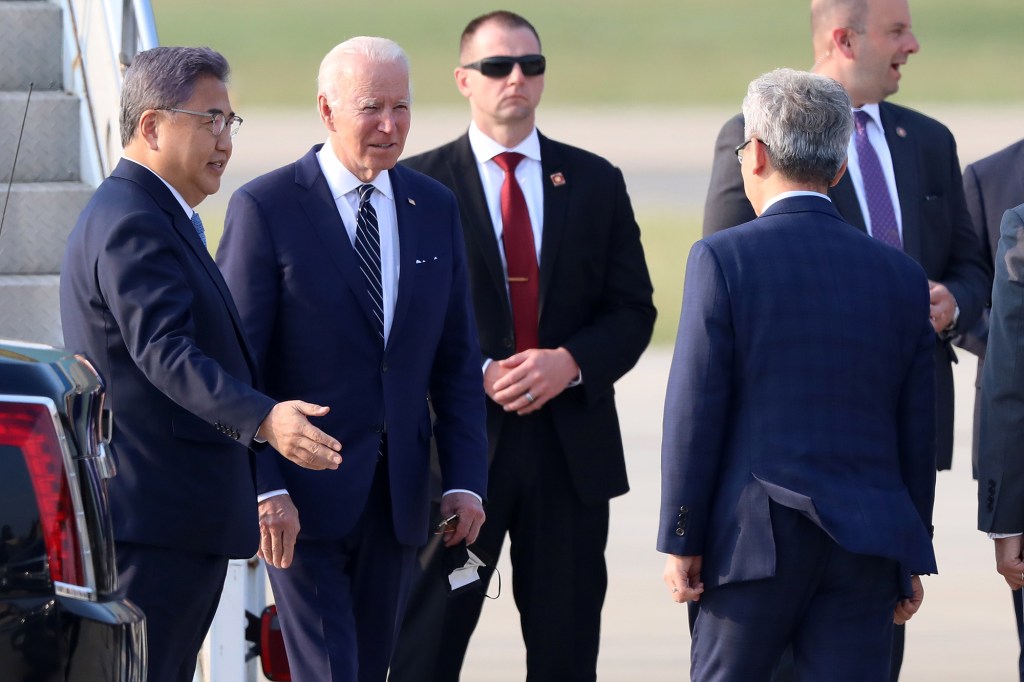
794	193
485	149
874	112
177	195
342	181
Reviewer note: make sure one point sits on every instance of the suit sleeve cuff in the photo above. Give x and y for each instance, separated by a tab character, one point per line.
271	493
461	490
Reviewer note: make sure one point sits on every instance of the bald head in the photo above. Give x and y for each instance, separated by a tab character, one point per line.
863	44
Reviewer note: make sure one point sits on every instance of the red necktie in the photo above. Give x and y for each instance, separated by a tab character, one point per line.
520	254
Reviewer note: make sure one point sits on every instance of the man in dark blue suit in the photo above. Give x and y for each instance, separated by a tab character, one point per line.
864	45
797	462
350	277
143	300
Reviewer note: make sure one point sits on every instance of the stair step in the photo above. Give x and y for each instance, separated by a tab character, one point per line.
30	308
35	230
50	147
30	45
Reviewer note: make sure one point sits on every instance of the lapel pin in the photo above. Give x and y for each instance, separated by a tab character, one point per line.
901	131
557	179
412	202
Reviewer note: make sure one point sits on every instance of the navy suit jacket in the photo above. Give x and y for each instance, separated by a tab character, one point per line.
937	230
781	389
142	298
595	296
293	271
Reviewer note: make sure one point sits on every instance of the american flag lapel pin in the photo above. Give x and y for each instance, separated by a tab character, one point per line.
412	202
557	179
901	131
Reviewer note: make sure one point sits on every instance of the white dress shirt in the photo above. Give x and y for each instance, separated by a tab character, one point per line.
345	190
189	211
528	175
876	136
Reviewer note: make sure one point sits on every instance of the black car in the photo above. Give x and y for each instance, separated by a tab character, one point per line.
60	614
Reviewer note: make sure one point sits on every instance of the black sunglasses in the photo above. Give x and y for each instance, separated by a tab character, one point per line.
499	67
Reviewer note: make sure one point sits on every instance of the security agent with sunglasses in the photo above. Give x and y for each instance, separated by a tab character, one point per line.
798	468
141	297
563	309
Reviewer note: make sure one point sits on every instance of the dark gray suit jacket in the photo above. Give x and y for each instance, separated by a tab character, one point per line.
1000	464
992	186
937	230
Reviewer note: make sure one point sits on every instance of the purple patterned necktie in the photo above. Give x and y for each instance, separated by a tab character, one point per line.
876	190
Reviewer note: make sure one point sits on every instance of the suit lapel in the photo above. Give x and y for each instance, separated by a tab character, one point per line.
187	231
904	167
406	215
556	207
326	223
844	196
478	227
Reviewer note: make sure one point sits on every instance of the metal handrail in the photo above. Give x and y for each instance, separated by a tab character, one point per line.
95	73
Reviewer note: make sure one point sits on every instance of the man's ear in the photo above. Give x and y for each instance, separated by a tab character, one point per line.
842	38
839	175
149	128
461	80
326	113
759	156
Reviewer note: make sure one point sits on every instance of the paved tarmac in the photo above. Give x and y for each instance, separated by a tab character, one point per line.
963	633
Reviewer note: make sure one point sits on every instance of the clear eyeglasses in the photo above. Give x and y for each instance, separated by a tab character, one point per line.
217	120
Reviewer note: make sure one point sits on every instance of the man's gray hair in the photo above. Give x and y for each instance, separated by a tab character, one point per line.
804	119
163	78
333	66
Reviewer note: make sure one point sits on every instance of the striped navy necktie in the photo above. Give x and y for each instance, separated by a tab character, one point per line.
368	249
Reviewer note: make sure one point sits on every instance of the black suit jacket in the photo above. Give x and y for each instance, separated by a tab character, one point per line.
937	230
595	295
142	298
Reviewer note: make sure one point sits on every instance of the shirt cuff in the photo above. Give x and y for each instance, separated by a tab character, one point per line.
461	490
271	493
1002	536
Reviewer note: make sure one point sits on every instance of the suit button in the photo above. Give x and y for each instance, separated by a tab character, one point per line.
384	367
684	509
506	342
379	428
680	532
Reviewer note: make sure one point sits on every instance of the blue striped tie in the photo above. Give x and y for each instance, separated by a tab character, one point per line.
368	249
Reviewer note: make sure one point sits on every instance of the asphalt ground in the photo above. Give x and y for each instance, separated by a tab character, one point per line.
965	630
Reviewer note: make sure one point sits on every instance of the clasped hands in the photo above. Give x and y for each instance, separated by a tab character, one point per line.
524	382
682	576
942	311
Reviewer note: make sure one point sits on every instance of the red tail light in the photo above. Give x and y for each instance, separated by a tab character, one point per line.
30	428
272	653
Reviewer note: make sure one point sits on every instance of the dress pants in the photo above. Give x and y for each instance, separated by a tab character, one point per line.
179	592
559	576
340	601
832	606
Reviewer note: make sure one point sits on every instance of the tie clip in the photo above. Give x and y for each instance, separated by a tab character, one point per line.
518	279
